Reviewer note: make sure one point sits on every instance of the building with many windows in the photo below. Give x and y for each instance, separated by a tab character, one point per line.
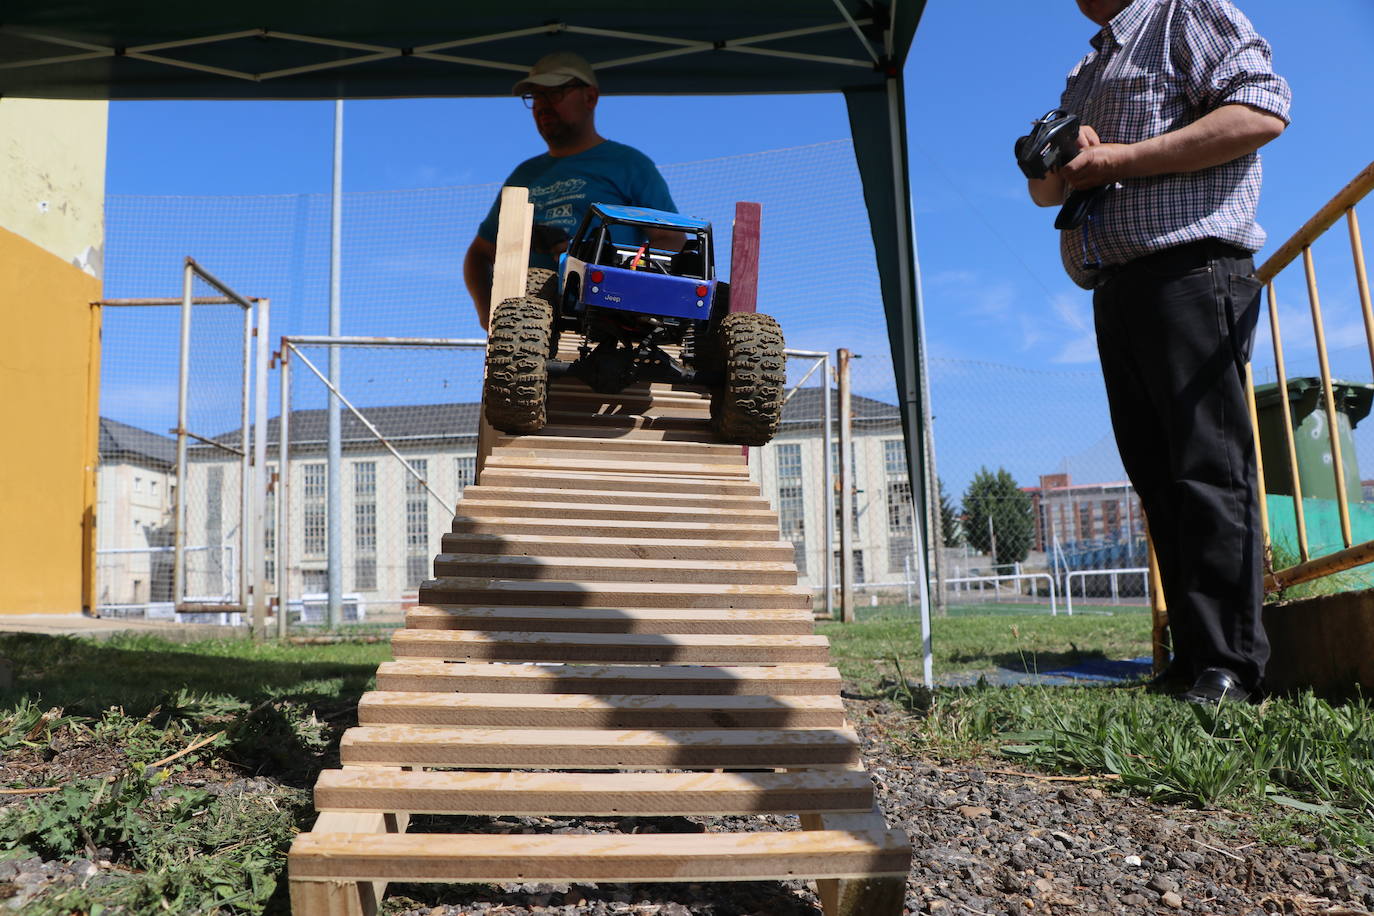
1088	526
393	524
135	496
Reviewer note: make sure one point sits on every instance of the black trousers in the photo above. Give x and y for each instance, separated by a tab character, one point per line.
1174	331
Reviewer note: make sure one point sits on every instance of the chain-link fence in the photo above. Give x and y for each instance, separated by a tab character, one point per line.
408	430
401	277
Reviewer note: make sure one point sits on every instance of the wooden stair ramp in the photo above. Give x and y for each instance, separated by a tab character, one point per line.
614	629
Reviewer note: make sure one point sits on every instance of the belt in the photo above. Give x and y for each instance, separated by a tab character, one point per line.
1176	260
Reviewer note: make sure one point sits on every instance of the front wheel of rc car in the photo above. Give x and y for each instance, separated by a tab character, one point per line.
748	406
517	374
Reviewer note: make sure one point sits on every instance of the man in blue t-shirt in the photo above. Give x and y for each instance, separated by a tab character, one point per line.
581	168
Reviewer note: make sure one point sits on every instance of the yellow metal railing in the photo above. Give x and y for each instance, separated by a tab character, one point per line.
1300	245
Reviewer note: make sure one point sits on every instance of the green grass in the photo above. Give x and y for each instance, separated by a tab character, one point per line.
1304	767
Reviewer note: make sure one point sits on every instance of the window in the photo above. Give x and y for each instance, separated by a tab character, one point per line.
899	527
791	501
1111	520
138	484
464	471
894	457
364	525
1085	521
858	565
314	581
313	507
417	525
152	487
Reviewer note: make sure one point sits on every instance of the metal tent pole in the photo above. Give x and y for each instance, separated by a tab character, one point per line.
912	330
335	470
828	475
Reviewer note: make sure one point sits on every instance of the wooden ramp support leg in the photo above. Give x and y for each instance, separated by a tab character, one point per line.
614	629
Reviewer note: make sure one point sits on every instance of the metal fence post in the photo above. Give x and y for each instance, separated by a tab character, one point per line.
179	521
842	357
828	475
284	492
258	579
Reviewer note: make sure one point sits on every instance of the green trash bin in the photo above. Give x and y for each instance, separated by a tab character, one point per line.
1310	440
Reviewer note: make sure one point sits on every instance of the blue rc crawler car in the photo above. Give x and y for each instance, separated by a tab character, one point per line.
626	301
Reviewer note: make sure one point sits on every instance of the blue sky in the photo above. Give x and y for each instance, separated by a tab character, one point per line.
979	71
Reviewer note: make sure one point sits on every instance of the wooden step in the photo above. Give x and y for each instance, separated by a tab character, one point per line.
598	527
613	497
593	794
610	648
603	569
697	424
617	483
756	621
598	749
494	859
478	591
610	442
550	463
641	549
741	680
558	710
575	512
712	462
576	388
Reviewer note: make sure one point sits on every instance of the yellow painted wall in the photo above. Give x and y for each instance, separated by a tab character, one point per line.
52	155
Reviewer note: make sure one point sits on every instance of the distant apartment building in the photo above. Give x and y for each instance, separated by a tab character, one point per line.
1076	521
392	527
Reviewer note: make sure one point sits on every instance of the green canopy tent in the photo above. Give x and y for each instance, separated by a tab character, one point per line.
288	49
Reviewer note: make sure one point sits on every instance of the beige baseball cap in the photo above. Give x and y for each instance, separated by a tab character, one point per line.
556	69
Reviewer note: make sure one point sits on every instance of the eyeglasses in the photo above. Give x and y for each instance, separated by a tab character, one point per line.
552	95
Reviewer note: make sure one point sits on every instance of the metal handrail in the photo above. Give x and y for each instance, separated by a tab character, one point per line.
1300	245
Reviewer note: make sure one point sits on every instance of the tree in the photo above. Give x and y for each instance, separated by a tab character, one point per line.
998	517
951	526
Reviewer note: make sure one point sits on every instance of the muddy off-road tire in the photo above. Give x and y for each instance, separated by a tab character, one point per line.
541	283
747	407
517	375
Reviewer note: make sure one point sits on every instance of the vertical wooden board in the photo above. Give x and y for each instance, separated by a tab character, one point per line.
512	245
744	258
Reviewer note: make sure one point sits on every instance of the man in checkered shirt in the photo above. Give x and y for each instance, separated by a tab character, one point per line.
1176	97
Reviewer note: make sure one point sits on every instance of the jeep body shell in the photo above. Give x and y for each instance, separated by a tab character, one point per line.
601	279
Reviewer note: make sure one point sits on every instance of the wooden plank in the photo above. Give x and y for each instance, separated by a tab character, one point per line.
512	245
594	794
525	508
600	527
641	549
744	257
343	897
461	590
692	462
561	710
609	443
598	749
599	857
613	620
646	498
634	648
780	680
575	387
613	569
551	462
696	423
573	428
629	483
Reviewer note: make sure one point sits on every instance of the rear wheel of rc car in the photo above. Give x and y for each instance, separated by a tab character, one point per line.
517	374
747	408
541	283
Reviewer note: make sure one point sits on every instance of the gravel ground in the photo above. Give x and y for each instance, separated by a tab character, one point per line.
987	840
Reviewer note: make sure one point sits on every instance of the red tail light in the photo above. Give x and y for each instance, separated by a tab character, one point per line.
702	291
597	276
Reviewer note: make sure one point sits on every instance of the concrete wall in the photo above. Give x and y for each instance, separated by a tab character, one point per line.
51	237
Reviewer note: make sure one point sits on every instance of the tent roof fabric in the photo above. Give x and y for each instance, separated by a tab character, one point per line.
287	49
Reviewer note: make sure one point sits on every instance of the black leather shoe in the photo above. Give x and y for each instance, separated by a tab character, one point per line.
1214	685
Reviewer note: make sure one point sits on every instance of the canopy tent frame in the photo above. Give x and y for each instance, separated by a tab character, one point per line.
126	51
